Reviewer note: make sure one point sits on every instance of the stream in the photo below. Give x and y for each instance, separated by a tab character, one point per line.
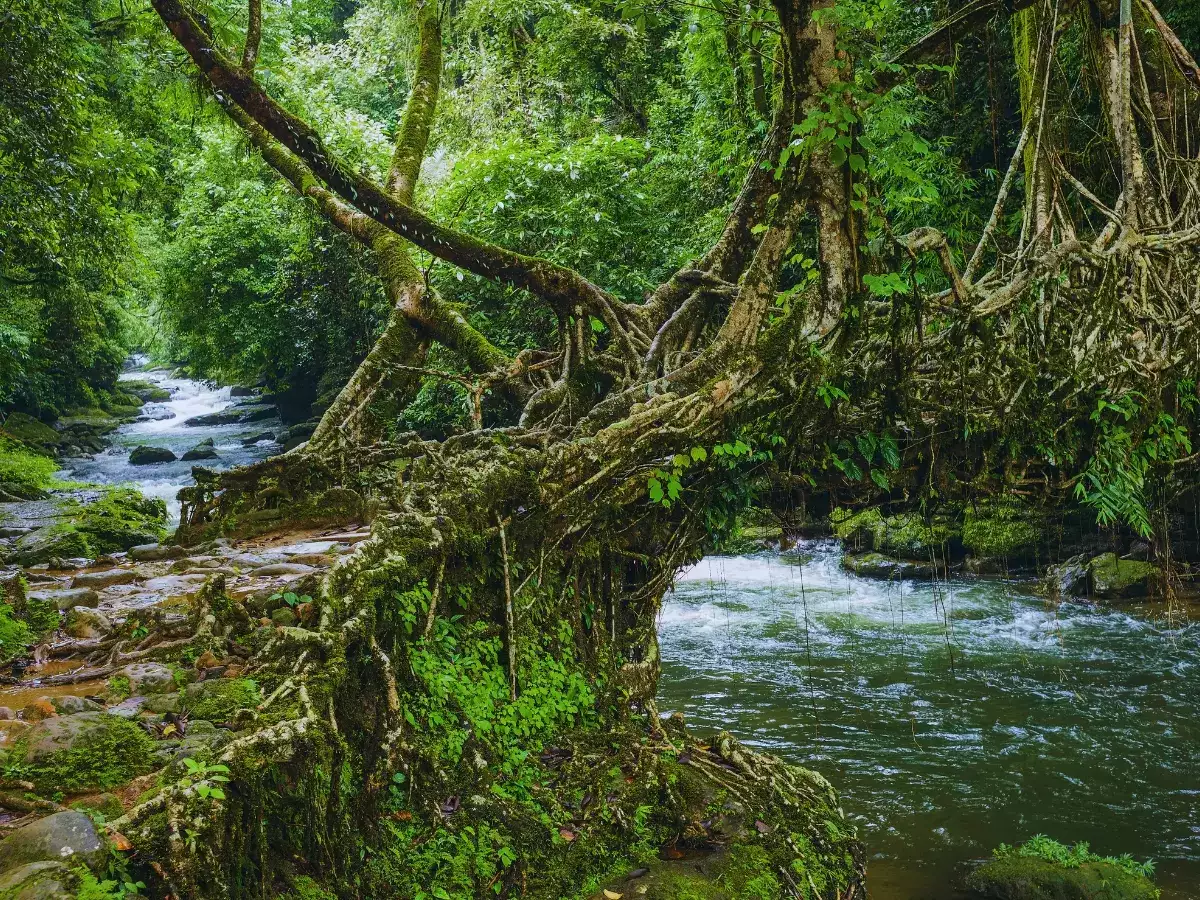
164	424
951	717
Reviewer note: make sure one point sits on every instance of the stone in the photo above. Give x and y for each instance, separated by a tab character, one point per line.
256	438
191	563
207	660
48	542
98	580
162	703
256	414
1122	579
69	704
203	450
45	880
282	569
1018	877
145	456
6	713
67	836
242	390
69	598
283	617
83	752
879	565
87	624
153	552
39	711
128	708
149	678
222	417
1070	578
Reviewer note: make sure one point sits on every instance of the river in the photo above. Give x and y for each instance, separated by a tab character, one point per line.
951	717
164	424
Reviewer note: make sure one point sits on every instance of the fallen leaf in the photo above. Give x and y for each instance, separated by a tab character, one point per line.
612	895
637	873
763	827
119	841
673	853
566	834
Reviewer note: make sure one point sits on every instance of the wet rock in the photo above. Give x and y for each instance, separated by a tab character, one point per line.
206	449
14	531
85	624
153	552
145	456
1140	551
69	704
877	565
1070	578
146	391
282	569
242	390
173	585
196	562
319	560
149	678
66	836
128	708
256	414
45	880
256	438
97	580
48	542
68	598
222	417
1122	579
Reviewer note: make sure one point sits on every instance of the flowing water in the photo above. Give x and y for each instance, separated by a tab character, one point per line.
165	425
951	717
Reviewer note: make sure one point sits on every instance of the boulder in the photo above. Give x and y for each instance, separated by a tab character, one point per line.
45	880
223	417
152	552
242	390
99	580
282	569
206	449
144	456
148	678
1070	578
256	414
1113	578
49	542
68	598
83	752
87	624
69	704
878	565
1018	877
67	836
255	438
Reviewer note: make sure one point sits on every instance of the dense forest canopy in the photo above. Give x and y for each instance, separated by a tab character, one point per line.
564	290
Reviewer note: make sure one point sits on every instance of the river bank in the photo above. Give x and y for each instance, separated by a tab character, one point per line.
953	716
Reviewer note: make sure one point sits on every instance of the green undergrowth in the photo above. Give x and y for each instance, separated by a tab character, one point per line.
218	700
24	469
1072	857
15	634
107	754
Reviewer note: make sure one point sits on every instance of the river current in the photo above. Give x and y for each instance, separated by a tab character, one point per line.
165	425
951	717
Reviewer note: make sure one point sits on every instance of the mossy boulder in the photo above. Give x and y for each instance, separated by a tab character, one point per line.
67	836
121	518
45	880
1113	578
146	391
906	535
1018	877
31	432
1002	528
877	565
59	541
144	456
84	752
206	449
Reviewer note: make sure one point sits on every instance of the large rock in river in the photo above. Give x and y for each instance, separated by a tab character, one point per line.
144	456
206	449
1018	877
67	836
1113	578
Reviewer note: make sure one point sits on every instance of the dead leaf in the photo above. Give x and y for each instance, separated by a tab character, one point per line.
763	827
612	895
566	834
119	841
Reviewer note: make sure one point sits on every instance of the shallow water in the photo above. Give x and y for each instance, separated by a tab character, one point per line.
168	429
950	717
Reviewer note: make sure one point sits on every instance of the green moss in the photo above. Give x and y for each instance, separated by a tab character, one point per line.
1044	869
304	888
15	635
119	687
749	875
217	701
1114	577
23	469
120	519
42	616
1001	528
106	753
906	534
